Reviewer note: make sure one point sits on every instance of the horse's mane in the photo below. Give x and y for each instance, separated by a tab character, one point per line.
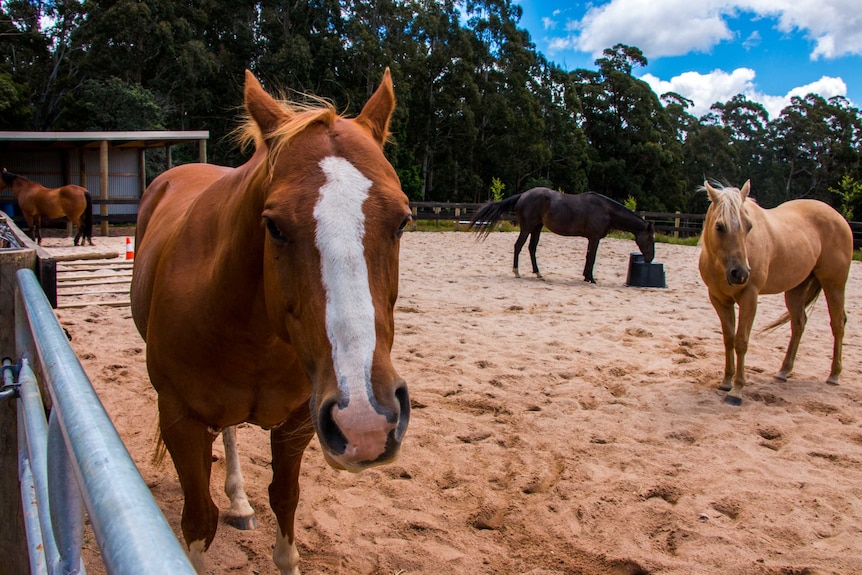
301	116
731	204
613	201
9	177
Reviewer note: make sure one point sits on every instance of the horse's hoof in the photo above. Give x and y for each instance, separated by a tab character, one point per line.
517	275
782	375
725	387
242	523
539	276
732	400
832	380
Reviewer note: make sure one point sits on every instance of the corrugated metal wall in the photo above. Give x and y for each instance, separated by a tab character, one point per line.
54	168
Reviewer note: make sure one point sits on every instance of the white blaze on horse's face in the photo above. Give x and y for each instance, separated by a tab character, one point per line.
729	231
350	321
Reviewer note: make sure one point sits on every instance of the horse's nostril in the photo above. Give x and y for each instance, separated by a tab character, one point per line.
330	433
404	407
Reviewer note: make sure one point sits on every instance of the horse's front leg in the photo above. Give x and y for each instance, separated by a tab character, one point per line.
288	444
240	514
190	444
727	316
592	250
747	309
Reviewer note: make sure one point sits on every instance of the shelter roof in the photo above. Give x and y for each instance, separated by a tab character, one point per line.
126	139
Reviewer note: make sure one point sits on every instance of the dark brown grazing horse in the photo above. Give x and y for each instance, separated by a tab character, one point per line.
37	202
265	294
588	215
799	248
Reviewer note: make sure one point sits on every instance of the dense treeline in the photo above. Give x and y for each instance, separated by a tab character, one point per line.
476	102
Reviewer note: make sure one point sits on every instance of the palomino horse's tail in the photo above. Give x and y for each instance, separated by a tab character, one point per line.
812	291
483	221
87	219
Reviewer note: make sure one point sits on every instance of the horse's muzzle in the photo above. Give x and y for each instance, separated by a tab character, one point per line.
737	275
355	438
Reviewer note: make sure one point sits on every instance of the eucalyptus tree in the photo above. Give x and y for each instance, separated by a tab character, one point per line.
745	123
635	150
816	143
511	142
565	142
38	60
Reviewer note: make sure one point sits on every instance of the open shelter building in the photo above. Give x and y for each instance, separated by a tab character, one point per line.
110	165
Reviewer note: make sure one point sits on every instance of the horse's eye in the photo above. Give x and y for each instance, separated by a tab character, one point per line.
719	227
274	232
403	225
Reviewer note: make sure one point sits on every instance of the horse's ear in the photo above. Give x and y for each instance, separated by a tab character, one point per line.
378	110
713	193
263	109
746	188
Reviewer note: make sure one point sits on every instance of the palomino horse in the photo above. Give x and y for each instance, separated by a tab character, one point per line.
36	201
799	248
588	215
265	294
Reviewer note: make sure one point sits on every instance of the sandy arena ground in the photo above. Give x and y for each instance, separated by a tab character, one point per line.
558	427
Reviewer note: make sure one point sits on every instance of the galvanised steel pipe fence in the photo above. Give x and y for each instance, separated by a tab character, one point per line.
73	458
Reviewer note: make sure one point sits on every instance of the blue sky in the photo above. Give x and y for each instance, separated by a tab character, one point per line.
712	50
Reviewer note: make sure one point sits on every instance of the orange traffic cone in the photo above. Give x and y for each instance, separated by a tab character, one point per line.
130	253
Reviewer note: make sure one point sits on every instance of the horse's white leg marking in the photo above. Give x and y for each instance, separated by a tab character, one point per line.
285	556
234	485
197	553
349	309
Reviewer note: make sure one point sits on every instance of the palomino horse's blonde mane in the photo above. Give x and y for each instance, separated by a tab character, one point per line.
729	209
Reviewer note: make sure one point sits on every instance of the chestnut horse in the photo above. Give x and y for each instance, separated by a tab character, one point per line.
265	294
588	215
36	201
799	248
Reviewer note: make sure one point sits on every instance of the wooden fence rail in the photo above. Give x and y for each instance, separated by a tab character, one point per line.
668	223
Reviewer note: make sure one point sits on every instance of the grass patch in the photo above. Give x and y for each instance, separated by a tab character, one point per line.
504	226
659	238
444	225
453	226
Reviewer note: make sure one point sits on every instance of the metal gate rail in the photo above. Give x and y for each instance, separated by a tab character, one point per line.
75	459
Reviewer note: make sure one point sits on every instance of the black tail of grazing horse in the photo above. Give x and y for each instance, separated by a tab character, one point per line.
87	219
483	221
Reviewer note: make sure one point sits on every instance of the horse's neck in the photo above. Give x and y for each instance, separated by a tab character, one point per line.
625	220
236	223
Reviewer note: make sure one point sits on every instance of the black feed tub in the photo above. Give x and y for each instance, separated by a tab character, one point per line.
642	274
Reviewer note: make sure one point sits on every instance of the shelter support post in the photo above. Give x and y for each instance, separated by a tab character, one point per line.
103	185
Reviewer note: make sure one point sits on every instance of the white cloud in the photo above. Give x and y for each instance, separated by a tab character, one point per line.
667	28
705	89
752	41
720	86
834	26
676	27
